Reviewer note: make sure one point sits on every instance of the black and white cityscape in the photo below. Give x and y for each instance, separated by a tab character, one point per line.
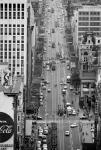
50	74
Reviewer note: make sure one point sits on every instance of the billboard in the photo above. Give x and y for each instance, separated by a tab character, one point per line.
6	122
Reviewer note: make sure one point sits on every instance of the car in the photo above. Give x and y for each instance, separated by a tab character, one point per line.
73	125
39	118
74	112
44	141
45	127
71	88
45	132
44	136
48	90
38	148
68	78
53	67
83	117
65	87
53	30
44	145
92	130
68	104
53	45
45	148
40	135
63	91
41	94
44	87
41	103
68	67
48	68
67	133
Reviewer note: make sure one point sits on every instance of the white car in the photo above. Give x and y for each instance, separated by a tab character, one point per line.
68	104
45	148
41	103
44	145
40	135
92	130
73	125
44	87
49	90
45	132
65	87
74	112
48	68
63	91
67	133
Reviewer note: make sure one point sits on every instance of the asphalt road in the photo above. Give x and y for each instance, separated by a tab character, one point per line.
55	98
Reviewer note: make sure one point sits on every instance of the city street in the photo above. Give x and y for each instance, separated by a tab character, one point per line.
54	98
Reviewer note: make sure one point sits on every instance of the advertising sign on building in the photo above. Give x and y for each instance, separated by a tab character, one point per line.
6	122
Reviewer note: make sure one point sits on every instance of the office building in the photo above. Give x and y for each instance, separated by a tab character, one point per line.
13	35
86	19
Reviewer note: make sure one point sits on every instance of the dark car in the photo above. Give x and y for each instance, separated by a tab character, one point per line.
53	45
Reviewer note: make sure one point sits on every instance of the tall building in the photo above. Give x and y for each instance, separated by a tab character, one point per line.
86	19
13	35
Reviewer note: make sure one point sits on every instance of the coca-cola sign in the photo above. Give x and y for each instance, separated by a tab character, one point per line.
6	127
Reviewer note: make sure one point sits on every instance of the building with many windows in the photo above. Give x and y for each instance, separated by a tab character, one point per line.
87	18
13	35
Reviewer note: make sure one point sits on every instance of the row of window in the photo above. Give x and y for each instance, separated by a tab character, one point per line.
87	13
11	7
11	31
95	33
89	29
89	18
9	54
12	15
89	24
11	47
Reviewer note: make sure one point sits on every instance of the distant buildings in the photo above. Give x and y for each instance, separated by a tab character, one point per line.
13	35
86	19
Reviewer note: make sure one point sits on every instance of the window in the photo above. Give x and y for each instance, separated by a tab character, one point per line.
14	7
22	15
14	39
1	14
14	31
1	29
5	14
18	31
98	41
83	23
14	15
5	47
18	7
22	70
10	15
84	18
22	57
10	7
22	7
18	128
5	7
5	29
18	55
22	62
22	31
1	7
18	117
9	54
5	54
18	15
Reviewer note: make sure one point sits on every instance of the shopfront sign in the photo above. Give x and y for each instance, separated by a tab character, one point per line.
6	127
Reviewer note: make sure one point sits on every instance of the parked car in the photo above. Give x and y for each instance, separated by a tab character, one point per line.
67	133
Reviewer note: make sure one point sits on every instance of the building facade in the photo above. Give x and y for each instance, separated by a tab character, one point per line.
13	35
87	18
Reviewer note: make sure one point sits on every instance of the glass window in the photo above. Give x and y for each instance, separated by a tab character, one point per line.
5	47
6	15
14	15
5	31
10	15
1	14
18	55
5	54
22	15
14	31
10	31
5	7
22	62
14	7
18	15
1	7
18	31
22	31
14	39
18	7
22	7
10	7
